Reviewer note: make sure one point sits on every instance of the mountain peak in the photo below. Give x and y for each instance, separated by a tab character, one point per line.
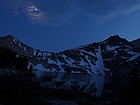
115	40
115	37
15	45
8	37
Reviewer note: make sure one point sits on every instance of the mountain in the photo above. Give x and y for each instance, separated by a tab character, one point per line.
136	43
15	45
98	58
93	58
20	48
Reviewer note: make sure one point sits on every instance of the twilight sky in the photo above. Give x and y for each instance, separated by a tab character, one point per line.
56	25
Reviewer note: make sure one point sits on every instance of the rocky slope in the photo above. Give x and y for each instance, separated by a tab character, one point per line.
135	43
97	58
20	48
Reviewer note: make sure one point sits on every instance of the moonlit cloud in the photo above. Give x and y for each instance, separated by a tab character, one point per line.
35	14
26	8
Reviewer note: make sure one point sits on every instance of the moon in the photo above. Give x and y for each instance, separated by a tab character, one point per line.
36	9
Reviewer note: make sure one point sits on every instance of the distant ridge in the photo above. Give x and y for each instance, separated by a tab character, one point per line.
136	43
17	46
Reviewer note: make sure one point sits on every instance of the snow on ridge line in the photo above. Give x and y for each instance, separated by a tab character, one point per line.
14	40
79	47
19	44
25	49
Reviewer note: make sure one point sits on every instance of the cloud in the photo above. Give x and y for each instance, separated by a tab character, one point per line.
29	9
14	6
63	11
103	10
129	7
35	14
56	12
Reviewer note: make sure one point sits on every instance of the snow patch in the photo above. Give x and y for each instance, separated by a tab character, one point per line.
132	53
68	60
29	65
48	54
25	49
60	65
51	61
134	57
82	63
19	44
34	52
90	53
99	66
14	40
39	67
111	48
99	63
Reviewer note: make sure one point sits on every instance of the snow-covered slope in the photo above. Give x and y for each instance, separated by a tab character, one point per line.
96	58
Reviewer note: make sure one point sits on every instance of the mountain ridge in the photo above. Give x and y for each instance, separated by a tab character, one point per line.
136	43
97	57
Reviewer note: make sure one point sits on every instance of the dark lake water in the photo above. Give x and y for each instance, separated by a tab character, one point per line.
88	83
113	88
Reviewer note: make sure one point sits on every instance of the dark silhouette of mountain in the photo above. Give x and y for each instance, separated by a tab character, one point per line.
10	60
135	43
20	48
15	45
97	58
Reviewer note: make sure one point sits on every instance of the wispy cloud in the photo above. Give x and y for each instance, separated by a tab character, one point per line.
63	11
105	10
54	12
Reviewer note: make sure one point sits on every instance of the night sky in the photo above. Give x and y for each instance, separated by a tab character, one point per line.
56	25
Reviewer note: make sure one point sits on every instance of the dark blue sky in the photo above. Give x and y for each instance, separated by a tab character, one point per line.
56	25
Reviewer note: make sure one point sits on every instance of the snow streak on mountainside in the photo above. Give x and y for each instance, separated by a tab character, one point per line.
99	63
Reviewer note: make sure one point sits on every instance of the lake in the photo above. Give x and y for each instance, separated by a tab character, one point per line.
88	83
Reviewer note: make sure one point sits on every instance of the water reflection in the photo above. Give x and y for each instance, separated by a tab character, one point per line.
92	84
